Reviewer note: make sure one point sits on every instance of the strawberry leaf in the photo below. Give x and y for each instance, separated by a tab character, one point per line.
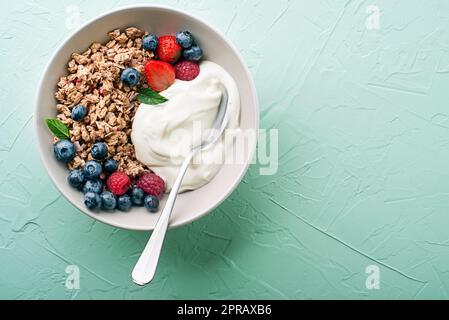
58	128
148	96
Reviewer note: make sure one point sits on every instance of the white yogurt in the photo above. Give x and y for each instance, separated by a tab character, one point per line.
162	134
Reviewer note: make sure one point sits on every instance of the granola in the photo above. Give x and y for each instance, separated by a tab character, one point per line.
97	101
93	80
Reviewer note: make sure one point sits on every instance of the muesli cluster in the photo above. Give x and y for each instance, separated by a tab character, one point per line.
96	106
97	101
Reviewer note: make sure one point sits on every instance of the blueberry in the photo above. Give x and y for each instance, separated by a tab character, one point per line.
92	200
99	150
194	53
76	178
124	203
150	42
108	200
184	39
95	186
151	203
137	196
130	77
110	165
78	113
92	169
64	151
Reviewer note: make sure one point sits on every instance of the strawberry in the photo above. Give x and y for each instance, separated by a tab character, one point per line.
160	75
168	50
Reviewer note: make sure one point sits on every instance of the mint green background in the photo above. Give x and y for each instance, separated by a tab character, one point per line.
363	173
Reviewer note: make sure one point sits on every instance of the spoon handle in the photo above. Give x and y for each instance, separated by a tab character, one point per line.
146	266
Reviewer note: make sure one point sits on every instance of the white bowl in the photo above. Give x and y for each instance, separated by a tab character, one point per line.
159	20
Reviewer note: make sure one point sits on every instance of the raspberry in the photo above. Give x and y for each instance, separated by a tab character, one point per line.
118	183
187	70
152	184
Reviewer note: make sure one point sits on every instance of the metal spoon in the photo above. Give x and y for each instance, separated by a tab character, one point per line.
146	266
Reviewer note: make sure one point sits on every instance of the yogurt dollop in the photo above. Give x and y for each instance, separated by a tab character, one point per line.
163	134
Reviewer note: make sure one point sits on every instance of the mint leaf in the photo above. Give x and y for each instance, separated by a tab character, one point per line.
58	128
149	96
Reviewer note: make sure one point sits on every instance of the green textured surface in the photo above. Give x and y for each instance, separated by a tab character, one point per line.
363	175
